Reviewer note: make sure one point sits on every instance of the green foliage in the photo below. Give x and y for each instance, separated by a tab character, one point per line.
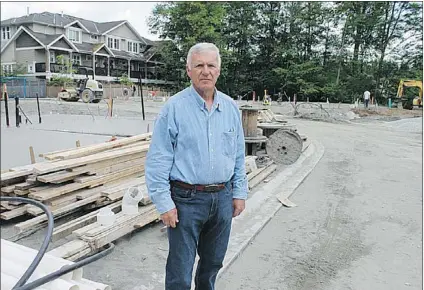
125	80
18	69
65	69
316	50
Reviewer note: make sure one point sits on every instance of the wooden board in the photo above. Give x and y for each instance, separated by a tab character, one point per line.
60	176
98	180
60	165
13	213
261	176
89	150
82	221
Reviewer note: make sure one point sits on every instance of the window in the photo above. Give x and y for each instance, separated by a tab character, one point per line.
113	43
5	33
7	68
74	34
94	37
76	59
132	47
52	57
116	44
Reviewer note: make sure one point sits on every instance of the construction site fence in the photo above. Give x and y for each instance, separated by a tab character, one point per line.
23	88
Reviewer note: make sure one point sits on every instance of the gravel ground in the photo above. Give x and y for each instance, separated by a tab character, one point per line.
358	220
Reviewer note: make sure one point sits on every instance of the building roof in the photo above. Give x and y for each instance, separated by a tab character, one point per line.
61	20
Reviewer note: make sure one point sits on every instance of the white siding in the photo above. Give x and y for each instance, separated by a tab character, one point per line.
124	31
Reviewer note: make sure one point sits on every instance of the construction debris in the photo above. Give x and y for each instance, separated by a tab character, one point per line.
84	179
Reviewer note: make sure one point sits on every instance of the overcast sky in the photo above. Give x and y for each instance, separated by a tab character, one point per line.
135	12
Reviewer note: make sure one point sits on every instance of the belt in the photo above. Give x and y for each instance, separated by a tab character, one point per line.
199	187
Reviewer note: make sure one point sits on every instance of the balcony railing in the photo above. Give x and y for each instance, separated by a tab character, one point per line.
152	73
118	72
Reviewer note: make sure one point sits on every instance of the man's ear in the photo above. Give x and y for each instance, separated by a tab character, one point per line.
188	70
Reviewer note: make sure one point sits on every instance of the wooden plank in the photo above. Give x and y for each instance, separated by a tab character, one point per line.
260	177
124	185
78	248
82	221
18	192
13	213
55	192
96	148
34	224
127	227
10	188
24	186
8	206
69	249
59	165
105	170
60	176
101	164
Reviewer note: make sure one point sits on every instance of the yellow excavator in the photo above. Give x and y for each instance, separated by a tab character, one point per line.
409	102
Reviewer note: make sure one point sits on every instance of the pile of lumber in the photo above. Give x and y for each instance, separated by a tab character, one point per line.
15	260
83	180
70	180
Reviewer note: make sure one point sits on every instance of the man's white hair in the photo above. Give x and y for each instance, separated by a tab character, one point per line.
201	47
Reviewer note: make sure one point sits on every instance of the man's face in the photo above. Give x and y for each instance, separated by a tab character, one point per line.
204	70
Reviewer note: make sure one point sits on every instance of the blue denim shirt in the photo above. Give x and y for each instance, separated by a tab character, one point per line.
196	146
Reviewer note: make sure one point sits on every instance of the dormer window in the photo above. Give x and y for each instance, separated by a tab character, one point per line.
75	34
5	33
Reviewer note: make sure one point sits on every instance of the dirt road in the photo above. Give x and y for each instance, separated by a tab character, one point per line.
358	223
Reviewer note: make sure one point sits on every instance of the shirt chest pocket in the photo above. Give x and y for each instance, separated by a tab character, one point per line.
228	142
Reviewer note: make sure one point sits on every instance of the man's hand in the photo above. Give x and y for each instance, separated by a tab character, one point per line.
170	218
238	206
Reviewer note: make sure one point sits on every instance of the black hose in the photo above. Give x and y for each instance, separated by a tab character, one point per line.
64	270
46	241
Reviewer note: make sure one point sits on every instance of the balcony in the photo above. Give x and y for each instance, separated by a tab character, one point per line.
117	72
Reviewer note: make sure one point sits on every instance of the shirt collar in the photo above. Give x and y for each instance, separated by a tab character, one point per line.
217	101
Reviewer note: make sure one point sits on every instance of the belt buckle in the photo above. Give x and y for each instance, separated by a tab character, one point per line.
212	187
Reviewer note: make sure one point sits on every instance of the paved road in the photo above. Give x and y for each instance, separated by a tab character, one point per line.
358	223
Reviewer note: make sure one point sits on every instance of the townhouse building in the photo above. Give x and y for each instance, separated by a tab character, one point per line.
111	49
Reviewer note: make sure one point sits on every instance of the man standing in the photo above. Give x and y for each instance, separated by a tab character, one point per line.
367	95
195	172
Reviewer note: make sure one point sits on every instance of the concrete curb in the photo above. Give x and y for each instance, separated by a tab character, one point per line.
264	205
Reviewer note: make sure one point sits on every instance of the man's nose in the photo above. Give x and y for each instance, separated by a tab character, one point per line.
205	70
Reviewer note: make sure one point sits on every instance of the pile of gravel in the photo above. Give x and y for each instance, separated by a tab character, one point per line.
412	125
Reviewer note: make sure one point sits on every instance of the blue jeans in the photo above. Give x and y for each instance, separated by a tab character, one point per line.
204	225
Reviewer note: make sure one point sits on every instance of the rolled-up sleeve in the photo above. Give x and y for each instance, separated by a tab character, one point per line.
239	179
159	160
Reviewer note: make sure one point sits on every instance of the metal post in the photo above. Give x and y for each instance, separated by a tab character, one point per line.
25	88
18	116
140	87
6	107
38	106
